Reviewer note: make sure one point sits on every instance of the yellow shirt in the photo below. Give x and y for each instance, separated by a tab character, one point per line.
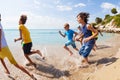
95	36
25	34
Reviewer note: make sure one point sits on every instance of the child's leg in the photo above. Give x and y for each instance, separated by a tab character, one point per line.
24	70
86	60
37	51
3	63
76	49
27	57
74	46
68	50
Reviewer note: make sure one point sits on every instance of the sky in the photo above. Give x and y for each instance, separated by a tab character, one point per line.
53	14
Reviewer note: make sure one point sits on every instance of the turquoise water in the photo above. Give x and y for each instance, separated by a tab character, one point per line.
46	36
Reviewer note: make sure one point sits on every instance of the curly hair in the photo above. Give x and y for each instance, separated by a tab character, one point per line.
84	16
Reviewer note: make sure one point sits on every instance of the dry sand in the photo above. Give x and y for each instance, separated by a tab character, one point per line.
60	66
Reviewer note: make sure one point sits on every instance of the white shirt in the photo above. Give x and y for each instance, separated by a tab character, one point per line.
3	40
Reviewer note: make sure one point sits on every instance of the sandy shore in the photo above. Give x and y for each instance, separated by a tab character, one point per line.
60	66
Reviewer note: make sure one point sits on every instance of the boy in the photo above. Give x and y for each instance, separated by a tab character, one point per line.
5	52
26	40
71	38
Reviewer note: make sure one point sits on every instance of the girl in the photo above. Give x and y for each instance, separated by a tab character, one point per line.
88	37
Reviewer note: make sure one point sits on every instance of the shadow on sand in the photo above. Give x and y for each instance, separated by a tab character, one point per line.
103	46
106	61
48	70
51	72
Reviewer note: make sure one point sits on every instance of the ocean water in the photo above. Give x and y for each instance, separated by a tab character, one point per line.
46	36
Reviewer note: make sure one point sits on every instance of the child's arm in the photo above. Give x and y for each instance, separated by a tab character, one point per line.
63	35
75	35
0	38
20	38
100	32
81	35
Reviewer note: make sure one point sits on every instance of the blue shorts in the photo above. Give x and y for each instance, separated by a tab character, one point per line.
85	50
72	43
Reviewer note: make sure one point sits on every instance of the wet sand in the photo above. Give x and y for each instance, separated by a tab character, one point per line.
59	65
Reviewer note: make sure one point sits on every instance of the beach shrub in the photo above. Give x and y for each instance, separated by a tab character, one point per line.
103	22
117	20
98	20
113	10
106	16
108	19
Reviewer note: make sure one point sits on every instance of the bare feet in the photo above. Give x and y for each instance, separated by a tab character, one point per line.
30	64
7	72
83	65
33	77
38	51
70	53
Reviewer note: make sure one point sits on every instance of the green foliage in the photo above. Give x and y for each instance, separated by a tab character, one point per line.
103	22
114	11
118	15
108	19
106	16
117	20
98	20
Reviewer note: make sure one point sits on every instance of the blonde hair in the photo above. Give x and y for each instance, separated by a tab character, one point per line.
66	25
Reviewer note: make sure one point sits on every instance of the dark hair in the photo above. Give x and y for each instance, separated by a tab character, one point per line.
23	19
84	16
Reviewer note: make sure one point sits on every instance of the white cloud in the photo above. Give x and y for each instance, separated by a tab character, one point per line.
107	5
80	5
36	21
36	2
56	1
64	8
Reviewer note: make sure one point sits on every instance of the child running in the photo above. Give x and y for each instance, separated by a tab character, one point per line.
79	33
5	52
88	37
26	40
96	38
71	38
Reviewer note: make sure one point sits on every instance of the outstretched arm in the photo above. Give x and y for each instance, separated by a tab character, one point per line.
63	35
20	38
100	32
80	35
75	35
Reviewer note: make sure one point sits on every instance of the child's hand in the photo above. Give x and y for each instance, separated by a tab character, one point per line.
15	40
76	39
60	32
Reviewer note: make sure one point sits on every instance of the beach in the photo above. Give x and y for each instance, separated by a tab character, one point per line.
58	65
